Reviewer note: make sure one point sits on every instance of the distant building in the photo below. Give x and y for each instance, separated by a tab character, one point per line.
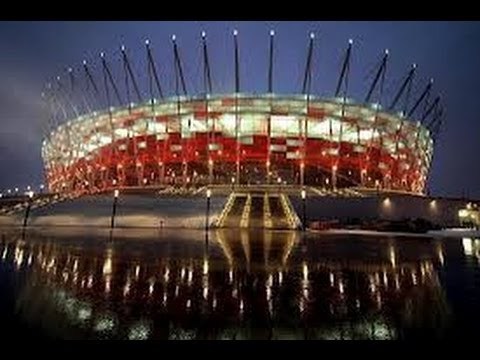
470	216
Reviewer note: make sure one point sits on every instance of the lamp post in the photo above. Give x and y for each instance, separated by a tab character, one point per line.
114	208
207	215
304	209
29	205
279	182
233	183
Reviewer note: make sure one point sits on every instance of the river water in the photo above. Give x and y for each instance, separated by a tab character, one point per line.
229	284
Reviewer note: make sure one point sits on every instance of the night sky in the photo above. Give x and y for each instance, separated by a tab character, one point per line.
33	53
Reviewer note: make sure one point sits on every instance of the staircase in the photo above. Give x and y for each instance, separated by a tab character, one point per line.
258	210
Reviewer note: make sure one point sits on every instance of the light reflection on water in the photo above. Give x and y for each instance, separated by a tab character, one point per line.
236	285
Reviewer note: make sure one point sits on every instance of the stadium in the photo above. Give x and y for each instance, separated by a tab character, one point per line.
260	156
244	139
239	138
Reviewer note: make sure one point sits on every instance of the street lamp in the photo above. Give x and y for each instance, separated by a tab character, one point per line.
233	183
304	209
209	194
29	205
210	170
116	193
279	182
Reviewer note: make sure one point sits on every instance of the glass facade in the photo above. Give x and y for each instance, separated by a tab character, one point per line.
238	135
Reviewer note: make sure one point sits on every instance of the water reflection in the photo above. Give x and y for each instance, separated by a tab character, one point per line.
247	285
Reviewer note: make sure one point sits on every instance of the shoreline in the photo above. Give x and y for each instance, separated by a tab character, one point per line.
445	233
